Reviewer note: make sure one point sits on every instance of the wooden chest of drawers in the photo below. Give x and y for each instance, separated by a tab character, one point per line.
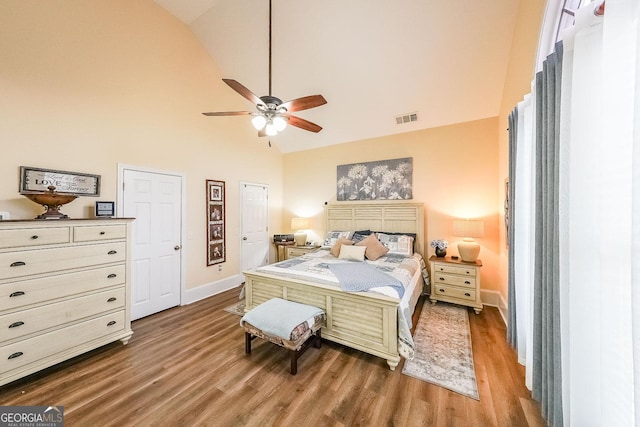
456	282
64	290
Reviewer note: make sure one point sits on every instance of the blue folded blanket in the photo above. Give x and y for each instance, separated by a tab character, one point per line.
360	276
278	317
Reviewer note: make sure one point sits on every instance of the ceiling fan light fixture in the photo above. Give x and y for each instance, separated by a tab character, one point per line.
280	123
259	121
271	129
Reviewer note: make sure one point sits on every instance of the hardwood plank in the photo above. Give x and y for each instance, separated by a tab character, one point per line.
187	366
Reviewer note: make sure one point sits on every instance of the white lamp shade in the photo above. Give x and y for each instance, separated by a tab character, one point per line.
280	123
258	122
271	129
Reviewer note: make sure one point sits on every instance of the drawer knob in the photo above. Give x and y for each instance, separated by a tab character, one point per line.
112	252
17	264
467	294
16	294
16	324
442	290
102	233
111	276
112	299
16	354
441	278
467	282
113	322
34	237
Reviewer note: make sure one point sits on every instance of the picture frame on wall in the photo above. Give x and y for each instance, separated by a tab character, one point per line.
380	180
216	235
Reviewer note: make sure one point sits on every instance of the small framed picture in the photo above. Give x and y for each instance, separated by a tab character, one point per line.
105	209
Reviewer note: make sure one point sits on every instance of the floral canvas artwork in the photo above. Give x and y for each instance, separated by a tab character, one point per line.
381	180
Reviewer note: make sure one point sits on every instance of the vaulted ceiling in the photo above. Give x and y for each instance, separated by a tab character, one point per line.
373	60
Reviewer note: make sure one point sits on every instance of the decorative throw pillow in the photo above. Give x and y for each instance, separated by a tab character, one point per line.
335	250
333	236
352	253
375	249
398	244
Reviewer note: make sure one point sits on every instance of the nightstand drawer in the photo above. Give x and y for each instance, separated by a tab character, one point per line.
445	268
454	280
453	292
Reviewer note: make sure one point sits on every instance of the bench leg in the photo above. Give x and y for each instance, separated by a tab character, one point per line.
247	342
318	341
294	361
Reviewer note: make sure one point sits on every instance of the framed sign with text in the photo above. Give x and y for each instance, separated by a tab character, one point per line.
36	180
215	222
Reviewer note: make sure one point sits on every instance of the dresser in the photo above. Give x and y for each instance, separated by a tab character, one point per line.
296	251
64	290
456	281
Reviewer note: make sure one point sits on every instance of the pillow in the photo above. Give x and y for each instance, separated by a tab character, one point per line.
398	244
352	253
357	237
335	249
332	238
375	249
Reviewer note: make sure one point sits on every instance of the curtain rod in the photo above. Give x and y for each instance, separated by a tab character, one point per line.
599	11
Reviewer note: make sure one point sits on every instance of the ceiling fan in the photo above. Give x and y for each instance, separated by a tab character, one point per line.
272	114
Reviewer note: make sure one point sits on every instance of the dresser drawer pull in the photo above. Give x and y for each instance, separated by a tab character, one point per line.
466	282
113	322
442	290
34	237
16	294
442	278
17	264
111	276
112	299
16	324
102	233
112	252
467	294
16	354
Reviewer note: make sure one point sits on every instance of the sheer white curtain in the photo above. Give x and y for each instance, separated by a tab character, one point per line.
600	218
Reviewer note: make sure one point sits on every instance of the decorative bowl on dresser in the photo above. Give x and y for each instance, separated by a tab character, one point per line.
456	281
64	290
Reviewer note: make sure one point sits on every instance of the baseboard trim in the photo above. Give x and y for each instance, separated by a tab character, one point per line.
495	299
210	289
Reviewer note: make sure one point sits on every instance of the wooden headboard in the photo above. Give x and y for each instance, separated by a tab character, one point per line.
378	216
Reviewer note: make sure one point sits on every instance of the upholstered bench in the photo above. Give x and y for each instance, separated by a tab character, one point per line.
288	324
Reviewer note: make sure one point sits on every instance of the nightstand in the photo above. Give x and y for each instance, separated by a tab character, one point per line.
296	251
281	250
456	281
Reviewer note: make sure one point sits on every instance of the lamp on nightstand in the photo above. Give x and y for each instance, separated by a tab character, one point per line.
468	248
299	225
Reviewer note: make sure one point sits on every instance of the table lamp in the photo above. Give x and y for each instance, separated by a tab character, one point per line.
468	248
299	225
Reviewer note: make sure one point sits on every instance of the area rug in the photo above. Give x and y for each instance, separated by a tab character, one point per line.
237	308
443	349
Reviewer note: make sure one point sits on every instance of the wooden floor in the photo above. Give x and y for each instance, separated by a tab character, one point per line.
186	367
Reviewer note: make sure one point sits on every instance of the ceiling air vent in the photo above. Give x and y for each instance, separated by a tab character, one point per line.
407	118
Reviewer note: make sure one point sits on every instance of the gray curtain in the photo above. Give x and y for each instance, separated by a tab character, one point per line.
547	375
512	330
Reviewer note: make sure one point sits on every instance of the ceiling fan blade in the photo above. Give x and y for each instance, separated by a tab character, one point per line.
246	93
303	124
228	113
304	103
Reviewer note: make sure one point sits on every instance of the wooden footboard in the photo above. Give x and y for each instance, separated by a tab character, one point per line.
365	321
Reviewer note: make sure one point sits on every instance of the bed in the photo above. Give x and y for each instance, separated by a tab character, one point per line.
373	322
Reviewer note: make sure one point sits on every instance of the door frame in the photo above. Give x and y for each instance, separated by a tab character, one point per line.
183	211
241	203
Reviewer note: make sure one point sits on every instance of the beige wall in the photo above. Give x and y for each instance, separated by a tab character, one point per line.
454	174
517	84
89	84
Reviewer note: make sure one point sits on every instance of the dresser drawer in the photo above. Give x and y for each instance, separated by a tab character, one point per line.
449	279
21	353
18	294
33	237
453	292
25	322
93	233
25	263
453	269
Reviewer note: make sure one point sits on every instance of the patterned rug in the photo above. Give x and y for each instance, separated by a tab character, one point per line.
237	308
443	349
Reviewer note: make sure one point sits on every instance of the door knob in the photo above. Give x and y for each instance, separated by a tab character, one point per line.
244	238
177	247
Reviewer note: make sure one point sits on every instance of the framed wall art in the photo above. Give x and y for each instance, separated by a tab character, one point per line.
380	180
36	180
216	249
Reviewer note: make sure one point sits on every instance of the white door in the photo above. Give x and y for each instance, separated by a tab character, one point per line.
154	200
255	225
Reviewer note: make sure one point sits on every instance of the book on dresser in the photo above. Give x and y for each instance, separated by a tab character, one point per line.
64	290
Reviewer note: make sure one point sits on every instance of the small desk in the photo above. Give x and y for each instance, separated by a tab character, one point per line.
281	250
